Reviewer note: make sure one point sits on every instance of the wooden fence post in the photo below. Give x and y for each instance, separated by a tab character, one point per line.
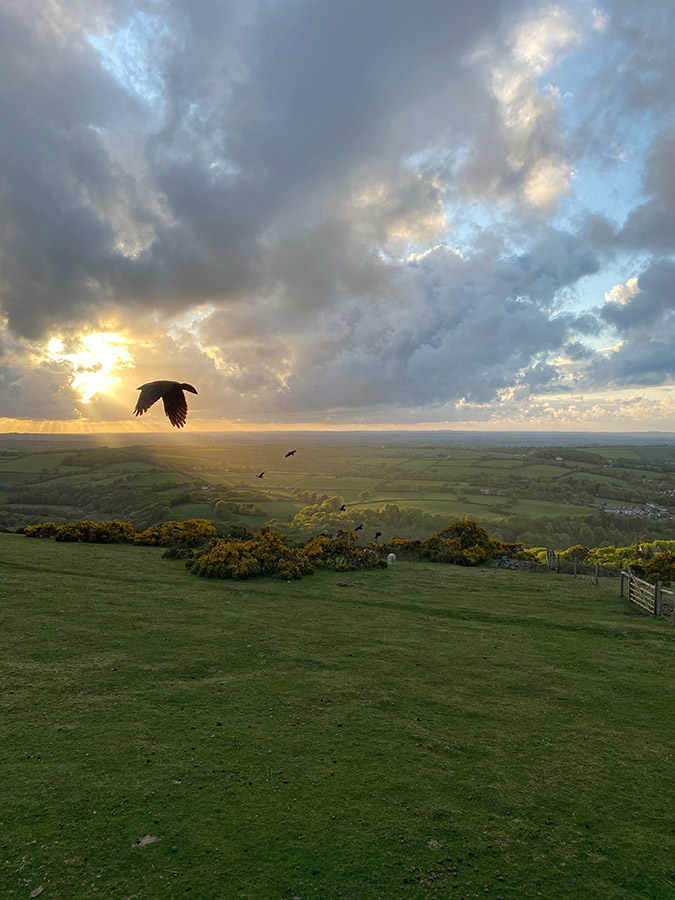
657	598
621	578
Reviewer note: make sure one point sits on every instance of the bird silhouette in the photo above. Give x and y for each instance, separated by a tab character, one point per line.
290	453
359	527
260	476
378	534
171	392
343	508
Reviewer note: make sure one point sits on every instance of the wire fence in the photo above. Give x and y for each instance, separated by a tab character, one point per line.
653	598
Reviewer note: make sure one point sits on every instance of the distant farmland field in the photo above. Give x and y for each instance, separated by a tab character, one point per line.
509	489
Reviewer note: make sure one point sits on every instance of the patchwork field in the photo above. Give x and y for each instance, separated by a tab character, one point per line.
419	732
510	489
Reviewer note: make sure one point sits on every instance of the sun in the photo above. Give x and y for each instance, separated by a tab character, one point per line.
103	353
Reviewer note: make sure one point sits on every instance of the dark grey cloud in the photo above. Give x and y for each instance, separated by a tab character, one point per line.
645	324
651	225
262	108
652	307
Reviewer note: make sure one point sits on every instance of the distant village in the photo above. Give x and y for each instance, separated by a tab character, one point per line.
648	511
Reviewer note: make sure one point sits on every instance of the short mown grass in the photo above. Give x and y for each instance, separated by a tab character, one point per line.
424	731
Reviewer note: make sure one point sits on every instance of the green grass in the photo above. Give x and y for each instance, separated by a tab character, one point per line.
34	464
360	735
191	511
7	479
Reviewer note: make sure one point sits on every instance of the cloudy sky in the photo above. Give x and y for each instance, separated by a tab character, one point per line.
338	213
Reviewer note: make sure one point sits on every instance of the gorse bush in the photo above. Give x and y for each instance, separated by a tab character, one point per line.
263	554
267	553
661	567
402	548
466	543
340	552
244	554
579	552
112	532
190	533
43	530
86	531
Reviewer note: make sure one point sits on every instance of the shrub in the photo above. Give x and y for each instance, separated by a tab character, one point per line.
342	553
189	533
578	552
112	532
43	530
661	567
262	554
402	548
466	543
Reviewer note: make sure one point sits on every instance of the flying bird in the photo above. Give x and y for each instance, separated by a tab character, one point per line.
343	508
359	527
171	392
290	453
378	534
260	476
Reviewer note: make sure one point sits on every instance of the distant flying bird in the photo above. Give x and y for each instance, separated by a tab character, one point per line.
290	453
359	527
378	534
171	392
260	476
343	508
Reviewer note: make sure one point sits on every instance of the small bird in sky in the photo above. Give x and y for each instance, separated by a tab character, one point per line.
359	527
378	534
171	392
260	476
290	453
343	508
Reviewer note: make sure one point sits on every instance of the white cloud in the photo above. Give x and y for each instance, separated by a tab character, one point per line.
623	293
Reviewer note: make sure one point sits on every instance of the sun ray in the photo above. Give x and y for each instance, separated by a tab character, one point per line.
92	366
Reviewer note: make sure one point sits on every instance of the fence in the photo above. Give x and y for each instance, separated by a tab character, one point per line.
652	597
589	571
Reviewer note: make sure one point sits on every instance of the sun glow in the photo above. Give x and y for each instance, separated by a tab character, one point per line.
103	353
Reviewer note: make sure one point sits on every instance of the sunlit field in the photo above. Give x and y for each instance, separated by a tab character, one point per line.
501	487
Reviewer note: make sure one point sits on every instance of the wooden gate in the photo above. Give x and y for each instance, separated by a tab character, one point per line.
641	592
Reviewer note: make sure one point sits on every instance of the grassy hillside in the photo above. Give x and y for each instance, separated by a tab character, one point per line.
424	731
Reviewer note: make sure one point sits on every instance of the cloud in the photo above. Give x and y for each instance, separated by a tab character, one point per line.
623	293
271	199
651	225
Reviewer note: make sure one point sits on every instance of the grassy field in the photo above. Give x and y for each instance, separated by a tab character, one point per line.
424	731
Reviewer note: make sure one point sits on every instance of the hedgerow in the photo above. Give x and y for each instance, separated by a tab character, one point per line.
244	554
86	531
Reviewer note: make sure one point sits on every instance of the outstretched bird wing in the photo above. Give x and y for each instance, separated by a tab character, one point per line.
175	406
150	393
